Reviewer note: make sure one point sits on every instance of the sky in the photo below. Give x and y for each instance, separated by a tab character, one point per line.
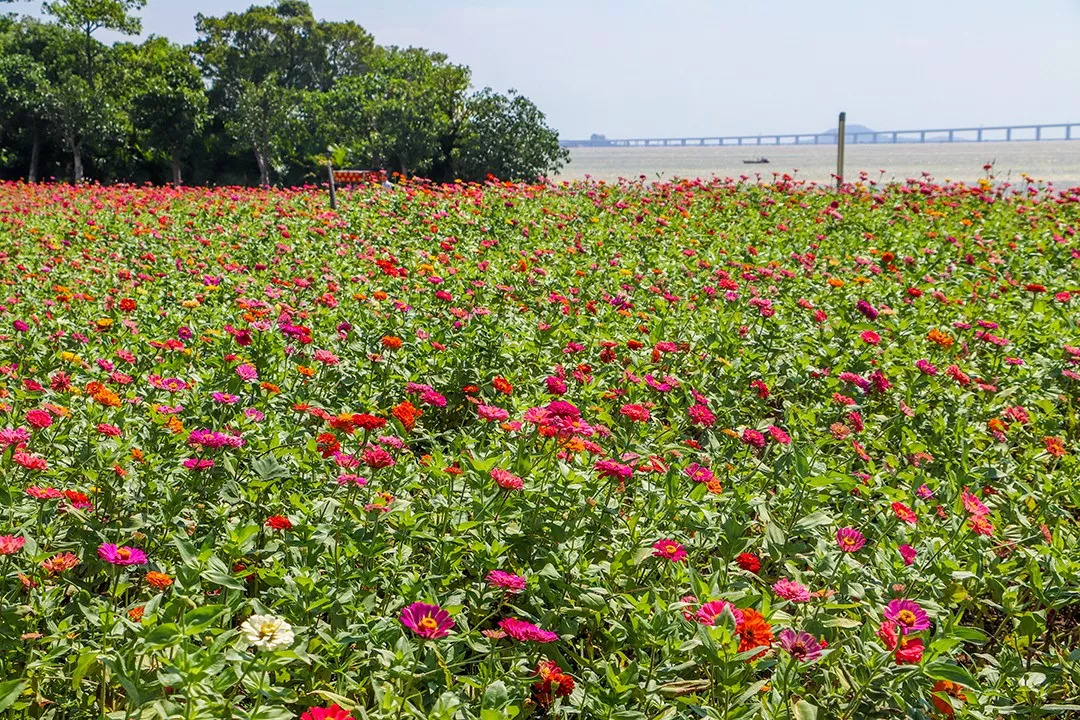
635	68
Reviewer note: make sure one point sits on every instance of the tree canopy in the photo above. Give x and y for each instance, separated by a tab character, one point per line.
259	97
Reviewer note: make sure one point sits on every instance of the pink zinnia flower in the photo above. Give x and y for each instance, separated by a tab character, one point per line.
614	469
30	461
779	435
506	479
849	539
701	415
492	413
669	550
973	505
791	590
39	418
198	465
523	631
428	621
375	457
707	613
44	493
10	544
699	473
508	581
247	372
555	386
907	615
753	438
14	436
350	479
121	555
108	430
334	712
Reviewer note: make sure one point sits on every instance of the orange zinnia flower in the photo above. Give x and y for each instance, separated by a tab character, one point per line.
943	689
407	414
754	632
158	581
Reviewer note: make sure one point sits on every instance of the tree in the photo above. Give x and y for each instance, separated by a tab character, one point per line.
263	117
397	115
169	106
26	97
89	16
508	137
284	40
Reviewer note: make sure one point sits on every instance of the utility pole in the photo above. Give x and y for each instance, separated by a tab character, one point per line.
840	150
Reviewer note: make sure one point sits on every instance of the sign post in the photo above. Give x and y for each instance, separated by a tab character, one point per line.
840	133
333	190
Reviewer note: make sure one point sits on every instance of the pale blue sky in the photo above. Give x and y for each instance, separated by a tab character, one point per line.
696	67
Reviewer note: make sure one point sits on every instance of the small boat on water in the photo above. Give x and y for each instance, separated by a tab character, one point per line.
759	161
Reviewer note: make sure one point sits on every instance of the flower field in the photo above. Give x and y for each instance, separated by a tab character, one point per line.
700	449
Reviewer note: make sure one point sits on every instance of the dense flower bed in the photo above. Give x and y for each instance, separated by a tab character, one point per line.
701	449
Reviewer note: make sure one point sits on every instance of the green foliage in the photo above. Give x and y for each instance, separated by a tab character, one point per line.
508	138
264	90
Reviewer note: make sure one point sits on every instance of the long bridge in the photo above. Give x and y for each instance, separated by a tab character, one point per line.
993	133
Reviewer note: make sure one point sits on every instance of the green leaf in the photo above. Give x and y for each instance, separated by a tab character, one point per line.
332	697
201	618
495	696
268	468
9	692
972	635
953	673
803	710
86	660
813	520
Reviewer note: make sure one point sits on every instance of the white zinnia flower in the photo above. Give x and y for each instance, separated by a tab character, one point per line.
267	632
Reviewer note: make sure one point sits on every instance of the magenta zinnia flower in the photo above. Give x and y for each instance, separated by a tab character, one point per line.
907	615
428	621
801	646
849	539
525	631
508	581
908	553
121	555
669	550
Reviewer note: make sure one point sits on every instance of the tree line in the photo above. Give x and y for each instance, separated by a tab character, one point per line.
265	95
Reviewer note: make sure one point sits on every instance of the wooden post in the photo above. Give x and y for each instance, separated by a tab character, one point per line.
840	150
333	191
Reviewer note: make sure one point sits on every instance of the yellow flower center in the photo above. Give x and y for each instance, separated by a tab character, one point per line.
267	629
123	553
428	623
906	617
671	549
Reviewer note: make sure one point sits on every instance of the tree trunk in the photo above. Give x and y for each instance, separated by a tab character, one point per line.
77	166
264	171
176	170
35	154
